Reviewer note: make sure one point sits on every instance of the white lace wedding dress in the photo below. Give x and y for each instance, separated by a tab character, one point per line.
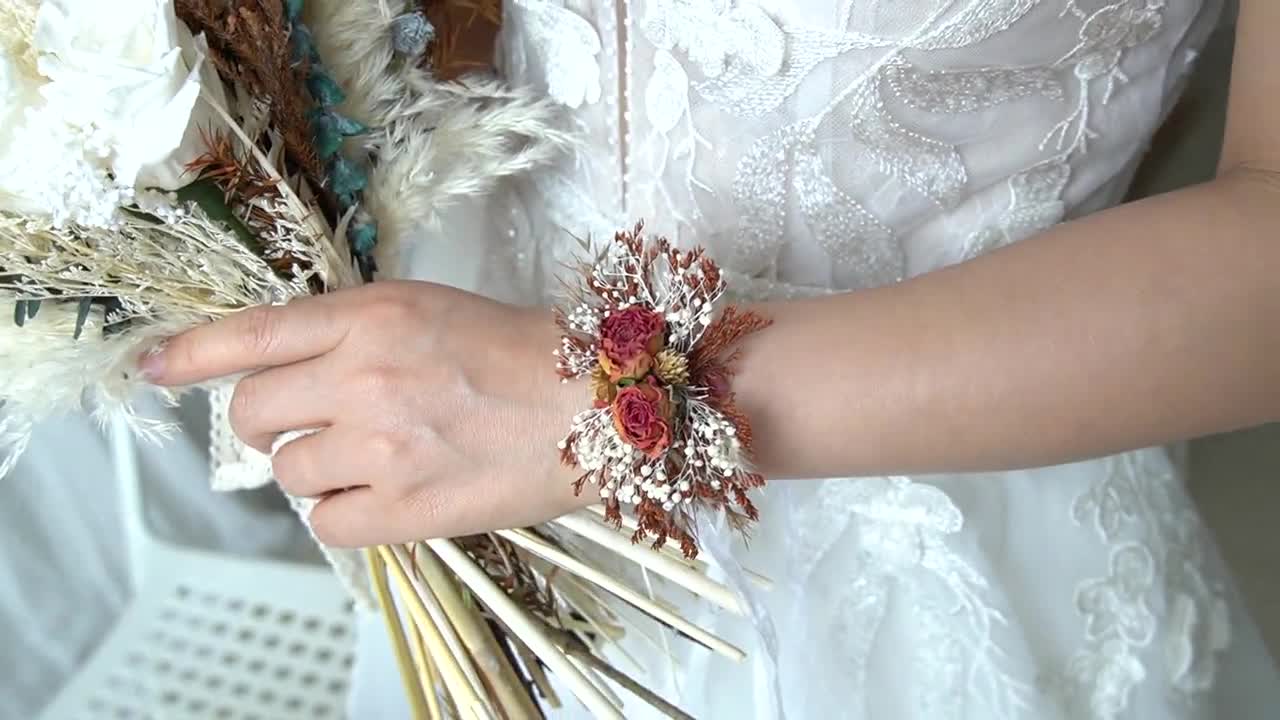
819	145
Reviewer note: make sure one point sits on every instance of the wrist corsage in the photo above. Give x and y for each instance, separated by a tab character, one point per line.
664	437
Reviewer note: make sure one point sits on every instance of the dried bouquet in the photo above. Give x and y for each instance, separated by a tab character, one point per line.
164	163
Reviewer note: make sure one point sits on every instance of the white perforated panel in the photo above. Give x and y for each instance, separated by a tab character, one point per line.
246	641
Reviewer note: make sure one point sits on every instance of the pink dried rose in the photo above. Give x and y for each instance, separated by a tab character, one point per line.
642	415
631	332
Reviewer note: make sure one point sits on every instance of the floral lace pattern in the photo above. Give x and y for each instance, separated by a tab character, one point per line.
1156	544
902	530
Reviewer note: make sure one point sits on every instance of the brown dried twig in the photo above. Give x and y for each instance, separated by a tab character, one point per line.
575	647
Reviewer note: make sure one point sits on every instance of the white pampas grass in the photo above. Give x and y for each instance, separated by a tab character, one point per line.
17	24
436	143
166	277
95	373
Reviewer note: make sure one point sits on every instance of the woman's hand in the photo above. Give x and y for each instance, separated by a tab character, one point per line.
437	411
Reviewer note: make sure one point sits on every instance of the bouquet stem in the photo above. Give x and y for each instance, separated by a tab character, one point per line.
426	675
523	627
427	596
477	638
672	550
455	678
418	705
676	571
558	557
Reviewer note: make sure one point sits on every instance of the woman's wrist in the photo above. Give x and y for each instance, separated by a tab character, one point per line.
757	380
561	400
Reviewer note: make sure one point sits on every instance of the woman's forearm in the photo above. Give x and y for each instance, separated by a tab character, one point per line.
1151	322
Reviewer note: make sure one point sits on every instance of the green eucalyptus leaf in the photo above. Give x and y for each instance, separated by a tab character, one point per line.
20	313
324	89
328	138
293	8
303	46
347	126
347	180
33	307
209	197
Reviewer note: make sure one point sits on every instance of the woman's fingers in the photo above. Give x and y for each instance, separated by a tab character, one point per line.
320	463
278	400
351	519
260	337
363	517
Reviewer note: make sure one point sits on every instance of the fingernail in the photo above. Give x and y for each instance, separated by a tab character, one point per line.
151	365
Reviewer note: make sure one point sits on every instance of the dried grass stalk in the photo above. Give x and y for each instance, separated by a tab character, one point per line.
558	557
671	550
455	680
426	674
442	622
501	677
674	570
419	695
523	627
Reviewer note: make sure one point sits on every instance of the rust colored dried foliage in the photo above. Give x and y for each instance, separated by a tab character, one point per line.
500	561
244	184
249	44
234	171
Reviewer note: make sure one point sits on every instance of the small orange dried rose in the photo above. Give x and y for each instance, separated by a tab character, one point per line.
642	414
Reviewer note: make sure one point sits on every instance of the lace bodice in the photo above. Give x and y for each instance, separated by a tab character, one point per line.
816	144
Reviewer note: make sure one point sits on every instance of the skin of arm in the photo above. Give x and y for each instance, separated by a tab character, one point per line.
1148	323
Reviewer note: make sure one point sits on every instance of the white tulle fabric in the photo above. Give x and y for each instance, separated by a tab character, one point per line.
820	145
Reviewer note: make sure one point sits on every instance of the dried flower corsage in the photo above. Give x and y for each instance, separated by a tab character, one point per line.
664	435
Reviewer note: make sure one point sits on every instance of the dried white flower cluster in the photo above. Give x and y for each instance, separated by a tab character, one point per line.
712	444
